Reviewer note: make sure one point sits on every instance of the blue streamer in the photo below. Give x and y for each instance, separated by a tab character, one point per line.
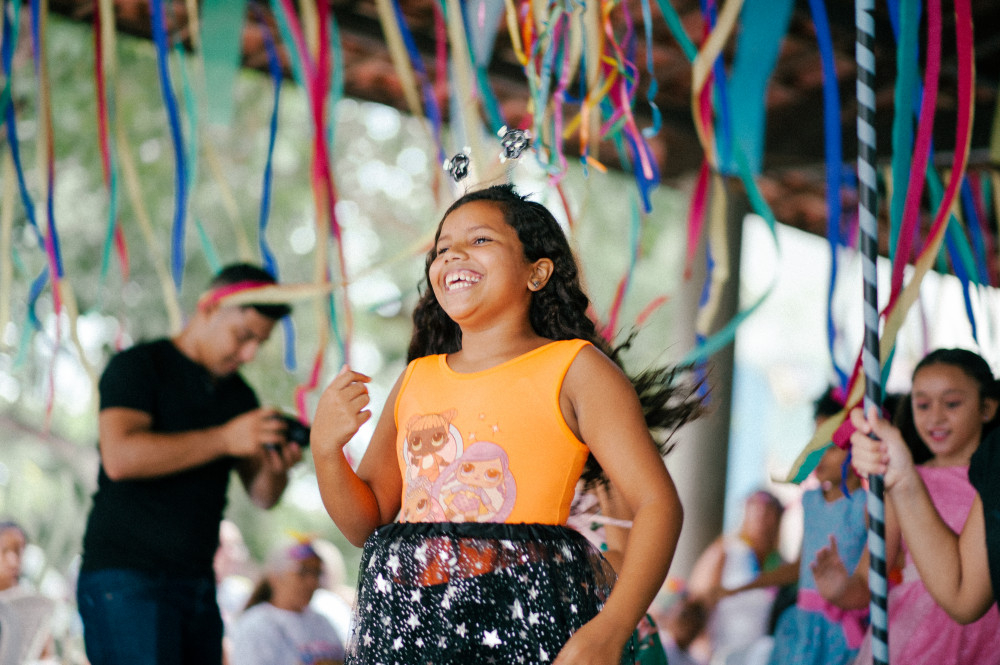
723	145
647	19
6	56
180	170
431	108
274	68
32	324
267	257
975	231
834	165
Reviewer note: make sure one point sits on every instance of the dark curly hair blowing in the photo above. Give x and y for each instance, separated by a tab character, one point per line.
558	311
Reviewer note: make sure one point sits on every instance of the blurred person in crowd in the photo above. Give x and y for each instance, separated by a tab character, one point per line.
235	573
814	632
334	598
176	418
25	615
737	620
279	627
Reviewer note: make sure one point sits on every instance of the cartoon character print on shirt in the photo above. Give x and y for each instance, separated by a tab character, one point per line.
478	486
420	505
431	444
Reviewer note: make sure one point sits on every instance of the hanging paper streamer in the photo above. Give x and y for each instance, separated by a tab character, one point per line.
6	231
762	29
833	163
223	21
130	173
482	22
162	42
316	75
114	237
274	68
907	56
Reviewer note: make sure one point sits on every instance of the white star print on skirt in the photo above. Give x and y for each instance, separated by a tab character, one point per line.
460	593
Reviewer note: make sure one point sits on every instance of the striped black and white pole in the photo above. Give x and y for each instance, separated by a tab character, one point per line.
867	211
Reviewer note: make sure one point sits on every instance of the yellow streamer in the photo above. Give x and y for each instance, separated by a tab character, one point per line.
228	199
702	67
718	232
400	57
590	126
73	314
6	244
278	294
129	171
481	168
514	30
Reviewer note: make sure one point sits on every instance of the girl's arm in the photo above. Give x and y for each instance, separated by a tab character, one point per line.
359	502
601	405
954	568
705	578
785	574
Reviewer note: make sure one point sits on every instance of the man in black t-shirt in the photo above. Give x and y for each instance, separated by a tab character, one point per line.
175	420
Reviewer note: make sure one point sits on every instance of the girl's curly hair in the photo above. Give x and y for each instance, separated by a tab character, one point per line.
558	311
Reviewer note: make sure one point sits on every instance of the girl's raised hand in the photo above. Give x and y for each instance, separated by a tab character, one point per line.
885	455
341	411
829	572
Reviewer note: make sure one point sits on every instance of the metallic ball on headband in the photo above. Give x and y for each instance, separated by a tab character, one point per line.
458	166
514	142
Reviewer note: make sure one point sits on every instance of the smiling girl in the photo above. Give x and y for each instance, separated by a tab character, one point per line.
954	404
472	561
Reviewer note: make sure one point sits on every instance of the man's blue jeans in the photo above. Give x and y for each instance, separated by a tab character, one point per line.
132	617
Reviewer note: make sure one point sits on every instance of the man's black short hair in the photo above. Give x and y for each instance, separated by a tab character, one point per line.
235	273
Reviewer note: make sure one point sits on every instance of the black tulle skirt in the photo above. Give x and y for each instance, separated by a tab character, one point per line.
464	593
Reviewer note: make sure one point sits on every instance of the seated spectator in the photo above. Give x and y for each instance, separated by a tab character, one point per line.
25	616
737	620
278	627
334	599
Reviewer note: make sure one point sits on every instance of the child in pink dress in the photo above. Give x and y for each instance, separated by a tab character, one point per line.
954	403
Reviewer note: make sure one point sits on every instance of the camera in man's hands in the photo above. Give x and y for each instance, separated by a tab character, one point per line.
296	431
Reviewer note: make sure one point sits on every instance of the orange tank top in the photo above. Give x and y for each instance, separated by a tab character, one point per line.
489	446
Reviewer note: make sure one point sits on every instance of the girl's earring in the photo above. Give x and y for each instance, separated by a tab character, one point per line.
536	283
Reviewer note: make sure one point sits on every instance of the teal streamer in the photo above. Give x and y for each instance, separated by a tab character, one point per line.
762	29
677	29
336	78
657	119
221	35
289	40
211	256
906	91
